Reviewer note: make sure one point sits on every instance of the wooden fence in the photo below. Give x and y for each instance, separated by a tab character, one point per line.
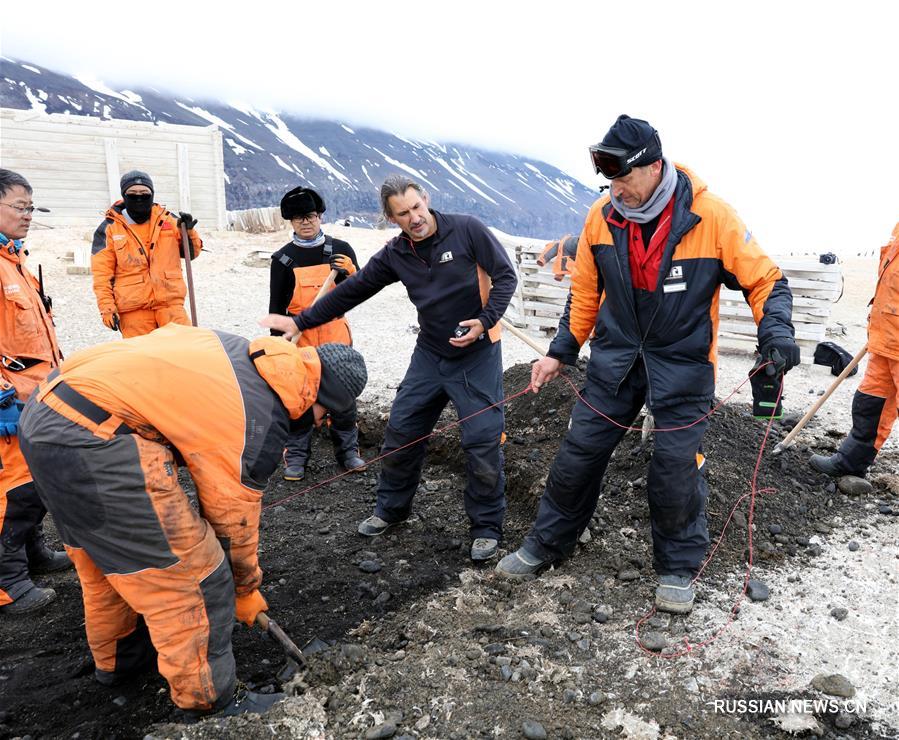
540	300
257	220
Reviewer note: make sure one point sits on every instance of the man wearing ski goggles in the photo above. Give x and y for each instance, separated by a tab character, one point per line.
612	161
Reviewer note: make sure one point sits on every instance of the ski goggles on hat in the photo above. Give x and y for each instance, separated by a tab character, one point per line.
612	162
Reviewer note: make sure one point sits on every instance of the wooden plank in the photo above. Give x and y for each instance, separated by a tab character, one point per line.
545	305
806	331
111	153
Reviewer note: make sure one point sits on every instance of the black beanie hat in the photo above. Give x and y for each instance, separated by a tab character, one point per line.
343	376
136	177
300	201
633	133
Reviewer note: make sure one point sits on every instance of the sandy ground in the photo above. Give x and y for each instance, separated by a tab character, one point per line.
794	642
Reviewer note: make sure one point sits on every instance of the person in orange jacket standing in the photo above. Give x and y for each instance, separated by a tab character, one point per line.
28	352
875	401
104	437
299	269
136	261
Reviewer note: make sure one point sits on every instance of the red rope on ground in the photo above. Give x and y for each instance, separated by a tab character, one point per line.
408	444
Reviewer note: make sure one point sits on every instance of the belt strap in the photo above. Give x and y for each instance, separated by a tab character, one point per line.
101	421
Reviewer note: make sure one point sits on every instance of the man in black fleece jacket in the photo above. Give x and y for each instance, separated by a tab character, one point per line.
461	281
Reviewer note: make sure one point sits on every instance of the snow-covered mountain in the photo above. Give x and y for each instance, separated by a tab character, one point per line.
267	152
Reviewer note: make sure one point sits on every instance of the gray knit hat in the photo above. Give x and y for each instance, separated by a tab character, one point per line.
136	177
343	377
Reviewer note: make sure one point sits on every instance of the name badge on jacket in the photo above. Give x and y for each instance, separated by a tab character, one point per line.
445	257
675	282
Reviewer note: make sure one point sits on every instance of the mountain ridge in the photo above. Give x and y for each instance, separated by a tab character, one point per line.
267	152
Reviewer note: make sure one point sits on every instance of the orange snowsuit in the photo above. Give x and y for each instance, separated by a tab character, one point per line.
28	352
104	438
137	269
561	254
874	405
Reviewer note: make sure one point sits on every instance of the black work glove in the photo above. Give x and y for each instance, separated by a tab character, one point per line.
782	353
185	218
48	302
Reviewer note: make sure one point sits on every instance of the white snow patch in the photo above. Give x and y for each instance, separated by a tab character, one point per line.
347	128
324	151
472	175
563	190
282	163
246	109
42	95
100	87
107	112
413	144
227	179
470	185
280	129
132	96
406	168
631	725
30	68
212	118
35	101
457	187
365	172
235	147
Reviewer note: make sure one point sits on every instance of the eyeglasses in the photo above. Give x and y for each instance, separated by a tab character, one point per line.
612	162
23	210
307	219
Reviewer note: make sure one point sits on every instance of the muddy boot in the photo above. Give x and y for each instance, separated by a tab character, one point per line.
346	448
41	559
832	465
674	594
520	565
32	600
296	453
242	701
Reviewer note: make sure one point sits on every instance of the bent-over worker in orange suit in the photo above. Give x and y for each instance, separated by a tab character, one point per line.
136	261
874	405
105	436
28	352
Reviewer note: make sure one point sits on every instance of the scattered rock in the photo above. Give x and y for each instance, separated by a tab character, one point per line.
885	509
834	685
423	722
853	546
369	566
388	729
628	574
533	730
854	486
596	698
844	721
775	528
495	648
505	673
654	641
839	613
120	701
569	696
757	591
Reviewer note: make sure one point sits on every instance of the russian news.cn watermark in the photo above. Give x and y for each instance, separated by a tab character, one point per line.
788	706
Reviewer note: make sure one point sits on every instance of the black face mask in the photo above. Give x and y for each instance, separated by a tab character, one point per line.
139	206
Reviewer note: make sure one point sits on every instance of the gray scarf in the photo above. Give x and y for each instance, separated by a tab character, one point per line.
657	201
316	241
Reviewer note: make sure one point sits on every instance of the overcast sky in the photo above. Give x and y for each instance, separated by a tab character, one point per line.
786	109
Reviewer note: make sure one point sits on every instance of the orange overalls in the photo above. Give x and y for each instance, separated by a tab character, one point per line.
102	436
137	270
28	352
874	405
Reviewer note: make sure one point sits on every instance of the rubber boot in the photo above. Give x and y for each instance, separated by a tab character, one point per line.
296	453
41	559
346	447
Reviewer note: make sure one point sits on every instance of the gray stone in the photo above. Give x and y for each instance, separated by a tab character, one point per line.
533	730
569	696
600	616
654	641
383	597
853	546
388	729
495	648
757	591
503	660
834	685
574	636
120	701
854	486
775	528
583	644
596	698
628	574
885	509
844	720
839	613
505	673
369	566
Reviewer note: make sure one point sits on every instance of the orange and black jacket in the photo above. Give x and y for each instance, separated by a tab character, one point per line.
132	273
28	347
709	246
222	402
883	326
